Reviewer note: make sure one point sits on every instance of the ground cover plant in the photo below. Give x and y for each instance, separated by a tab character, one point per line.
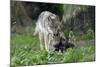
25	51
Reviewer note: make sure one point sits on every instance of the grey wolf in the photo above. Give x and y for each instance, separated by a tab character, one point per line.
47	27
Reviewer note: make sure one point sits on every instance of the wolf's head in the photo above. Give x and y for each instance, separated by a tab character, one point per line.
53	25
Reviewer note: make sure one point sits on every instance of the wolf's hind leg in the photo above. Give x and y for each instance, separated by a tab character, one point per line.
36	31
41	40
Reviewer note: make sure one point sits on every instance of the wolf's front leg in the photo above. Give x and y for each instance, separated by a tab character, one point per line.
41	40
46	42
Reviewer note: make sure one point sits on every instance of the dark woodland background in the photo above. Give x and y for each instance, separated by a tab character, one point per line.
78	18
25	49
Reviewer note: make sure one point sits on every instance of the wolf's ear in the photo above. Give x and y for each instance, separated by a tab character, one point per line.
57	17
50	19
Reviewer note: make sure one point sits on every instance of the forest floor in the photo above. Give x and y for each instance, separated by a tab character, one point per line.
25	51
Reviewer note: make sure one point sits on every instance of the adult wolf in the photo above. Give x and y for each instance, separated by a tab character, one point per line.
47	27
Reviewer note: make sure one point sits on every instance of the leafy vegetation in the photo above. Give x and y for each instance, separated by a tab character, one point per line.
25	51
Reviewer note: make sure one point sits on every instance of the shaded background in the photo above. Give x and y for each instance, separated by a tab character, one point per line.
78	18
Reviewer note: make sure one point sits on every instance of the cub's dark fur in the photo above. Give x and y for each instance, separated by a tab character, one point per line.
63	45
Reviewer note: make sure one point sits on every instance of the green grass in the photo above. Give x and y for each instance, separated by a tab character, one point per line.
25	51
89	35
80	54
86	36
